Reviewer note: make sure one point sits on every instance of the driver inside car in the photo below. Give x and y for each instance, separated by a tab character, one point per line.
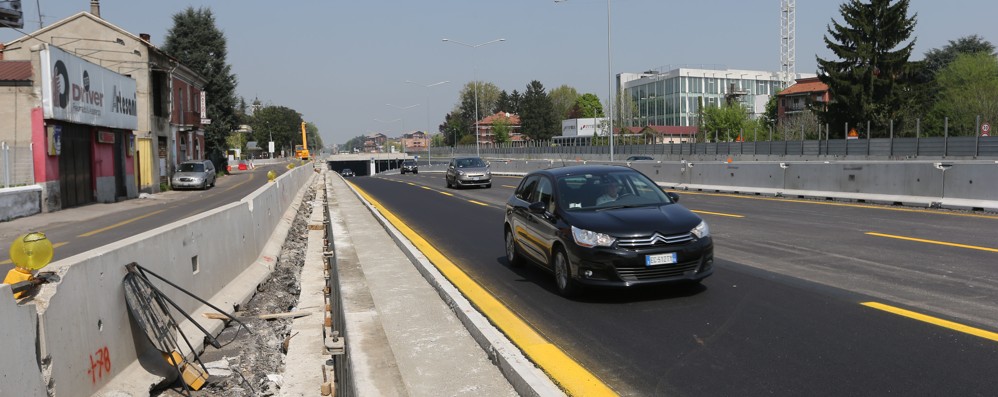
610	193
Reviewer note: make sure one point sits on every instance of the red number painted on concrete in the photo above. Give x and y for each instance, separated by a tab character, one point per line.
101	366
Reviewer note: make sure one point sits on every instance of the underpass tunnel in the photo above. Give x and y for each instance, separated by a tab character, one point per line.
365	167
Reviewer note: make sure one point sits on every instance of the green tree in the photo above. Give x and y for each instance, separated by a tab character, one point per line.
500	130
772	112
488	96
197	43
314	139
870	79
586	106
727	121
455	126
926	91
281	123
356	142
562	99
968	88
537	116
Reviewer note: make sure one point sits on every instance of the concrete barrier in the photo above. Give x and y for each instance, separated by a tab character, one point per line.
87	342
16	202
968	184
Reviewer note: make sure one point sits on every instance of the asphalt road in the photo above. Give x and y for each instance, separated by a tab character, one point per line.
807	298
76	230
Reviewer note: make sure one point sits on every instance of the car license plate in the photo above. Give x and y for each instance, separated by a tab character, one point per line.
660	259
474	178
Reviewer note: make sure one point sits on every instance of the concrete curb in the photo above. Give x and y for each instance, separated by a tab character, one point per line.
523	375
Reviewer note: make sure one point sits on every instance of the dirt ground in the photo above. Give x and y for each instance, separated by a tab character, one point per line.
251	364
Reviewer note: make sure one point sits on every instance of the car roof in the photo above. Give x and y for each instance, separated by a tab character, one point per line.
581	169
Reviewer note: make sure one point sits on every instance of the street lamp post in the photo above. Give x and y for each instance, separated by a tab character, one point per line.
478	151
429	141
609	68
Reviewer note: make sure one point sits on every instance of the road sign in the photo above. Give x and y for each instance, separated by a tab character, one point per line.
985	129
205	121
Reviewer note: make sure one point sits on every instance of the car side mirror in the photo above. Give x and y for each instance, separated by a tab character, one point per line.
673	196
538	207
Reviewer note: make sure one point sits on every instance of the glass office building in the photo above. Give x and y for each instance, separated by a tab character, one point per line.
673	98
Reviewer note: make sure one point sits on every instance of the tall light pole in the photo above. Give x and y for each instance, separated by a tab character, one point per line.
478	151
403	109
609	68
429	141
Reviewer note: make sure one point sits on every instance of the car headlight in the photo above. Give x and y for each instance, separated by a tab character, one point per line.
702	230
588	238
459	172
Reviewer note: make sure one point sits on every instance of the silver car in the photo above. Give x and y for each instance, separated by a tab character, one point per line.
198	174
468	171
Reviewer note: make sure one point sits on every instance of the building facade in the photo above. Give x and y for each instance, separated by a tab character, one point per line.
806	95
674	97
486	128
165	127
415	141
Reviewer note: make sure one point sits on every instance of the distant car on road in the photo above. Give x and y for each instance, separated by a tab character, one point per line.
639	158
468	171
346	173
198	174
410	166
605	226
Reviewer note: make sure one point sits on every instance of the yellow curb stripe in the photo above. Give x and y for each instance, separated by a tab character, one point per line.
446	193
934	320
569	374
478	202
718	214
125	222
973	247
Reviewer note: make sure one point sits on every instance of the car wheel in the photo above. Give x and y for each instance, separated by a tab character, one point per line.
513	255
204	185
562	275
415	172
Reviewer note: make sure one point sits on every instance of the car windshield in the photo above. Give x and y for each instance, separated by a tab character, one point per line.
473	162
615	189
191	167
347	170
409	162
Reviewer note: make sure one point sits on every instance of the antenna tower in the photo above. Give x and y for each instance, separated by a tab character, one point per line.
788	41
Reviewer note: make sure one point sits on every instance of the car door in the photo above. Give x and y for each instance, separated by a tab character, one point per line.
520	218
451	169
542	227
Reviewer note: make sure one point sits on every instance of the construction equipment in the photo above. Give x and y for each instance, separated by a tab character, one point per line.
301	151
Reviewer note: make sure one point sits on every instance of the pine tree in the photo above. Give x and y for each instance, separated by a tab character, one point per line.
198	44
870	80
537	116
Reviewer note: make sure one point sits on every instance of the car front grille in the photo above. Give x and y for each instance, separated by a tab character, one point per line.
655	240
656	272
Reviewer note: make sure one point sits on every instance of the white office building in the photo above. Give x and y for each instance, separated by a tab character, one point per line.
672	98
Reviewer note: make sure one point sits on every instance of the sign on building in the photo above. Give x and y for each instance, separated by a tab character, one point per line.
81	92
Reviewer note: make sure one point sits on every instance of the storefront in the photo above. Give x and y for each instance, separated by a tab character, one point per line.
83	138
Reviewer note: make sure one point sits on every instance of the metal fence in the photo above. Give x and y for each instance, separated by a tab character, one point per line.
932	147
16	165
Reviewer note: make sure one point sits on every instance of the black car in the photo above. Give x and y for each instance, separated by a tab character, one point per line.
347	173
606	226
410	166
639	158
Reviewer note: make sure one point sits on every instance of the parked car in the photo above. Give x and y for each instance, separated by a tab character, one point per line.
639	158
608	226
198	174
468	171
410	166
346	173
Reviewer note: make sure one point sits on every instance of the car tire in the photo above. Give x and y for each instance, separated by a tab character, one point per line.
204	185
567	286
415	172
513	255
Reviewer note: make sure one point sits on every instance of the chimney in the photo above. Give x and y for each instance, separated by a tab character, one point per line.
95	8
146	37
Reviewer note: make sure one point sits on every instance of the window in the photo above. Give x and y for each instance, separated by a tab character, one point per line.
527	188
543	193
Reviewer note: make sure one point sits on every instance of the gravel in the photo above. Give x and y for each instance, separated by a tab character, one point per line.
252	364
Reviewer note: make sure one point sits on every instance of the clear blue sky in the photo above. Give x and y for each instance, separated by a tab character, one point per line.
340	62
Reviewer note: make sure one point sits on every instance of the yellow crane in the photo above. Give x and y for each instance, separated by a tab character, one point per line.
301	151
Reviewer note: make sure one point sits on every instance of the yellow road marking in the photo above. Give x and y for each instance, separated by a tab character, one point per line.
568	373
718	214
424	187
478	202
973	247
410	184
125	222
839	204
511	187
933	320
251	175
449	194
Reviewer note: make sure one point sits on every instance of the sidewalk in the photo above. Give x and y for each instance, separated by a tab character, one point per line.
403	339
